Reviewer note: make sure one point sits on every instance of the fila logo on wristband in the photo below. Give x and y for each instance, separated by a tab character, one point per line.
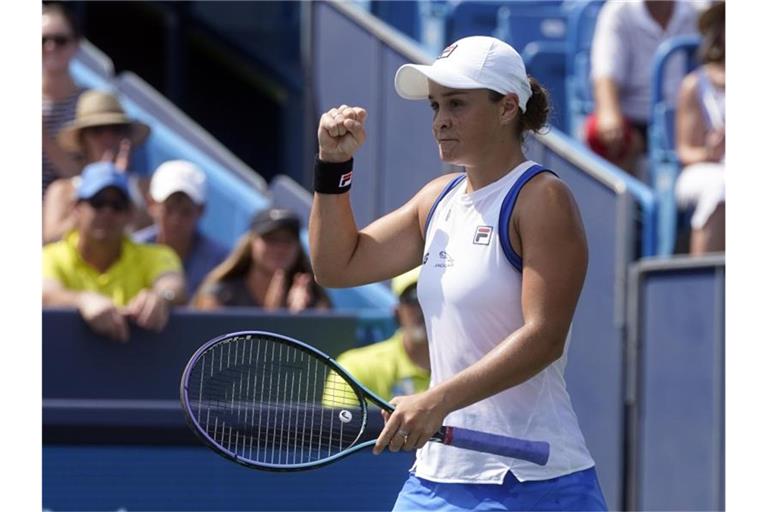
346	180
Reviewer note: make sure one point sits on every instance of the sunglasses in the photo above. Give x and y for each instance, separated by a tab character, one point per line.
117	205
57	39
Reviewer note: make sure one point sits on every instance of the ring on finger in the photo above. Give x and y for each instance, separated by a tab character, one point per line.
403	433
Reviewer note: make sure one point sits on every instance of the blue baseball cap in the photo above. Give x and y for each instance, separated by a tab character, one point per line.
100	175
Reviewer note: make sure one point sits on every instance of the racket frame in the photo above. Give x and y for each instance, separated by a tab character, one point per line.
361	393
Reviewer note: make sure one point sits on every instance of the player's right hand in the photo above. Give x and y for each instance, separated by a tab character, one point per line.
340	133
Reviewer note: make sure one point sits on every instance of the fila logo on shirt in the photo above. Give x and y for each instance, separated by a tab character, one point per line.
483	235
345	180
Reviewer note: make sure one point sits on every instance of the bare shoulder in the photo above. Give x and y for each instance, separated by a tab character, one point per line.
546	199
688	86
548	189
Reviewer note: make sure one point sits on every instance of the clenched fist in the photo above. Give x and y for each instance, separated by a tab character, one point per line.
340	133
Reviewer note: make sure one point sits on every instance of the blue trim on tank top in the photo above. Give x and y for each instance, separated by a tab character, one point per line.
505	215
451	185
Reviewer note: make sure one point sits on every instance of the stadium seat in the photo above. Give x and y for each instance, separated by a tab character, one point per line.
537	29
663	163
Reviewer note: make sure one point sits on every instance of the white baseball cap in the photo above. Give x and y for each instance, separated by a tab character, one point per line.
476	62
178	176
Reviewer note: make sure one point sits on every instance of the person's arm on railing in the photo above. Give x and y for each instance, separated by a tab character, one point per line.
98	311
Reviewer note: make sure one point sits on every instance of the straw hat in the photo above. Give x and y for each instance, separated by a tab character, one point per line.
99	108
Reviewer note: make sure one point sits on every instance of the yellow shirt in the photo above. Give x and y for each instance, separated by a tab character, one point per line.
382	367
138	267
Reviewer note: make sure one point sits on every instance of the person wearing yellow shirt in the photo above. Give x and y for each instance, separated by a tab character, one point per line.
396	366
97	269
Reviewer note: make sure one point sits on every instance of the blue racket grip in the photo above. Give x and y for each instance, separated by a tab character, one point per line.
532	451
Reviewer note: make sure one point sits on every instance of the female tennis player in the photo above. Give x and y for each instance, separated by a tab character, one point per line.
504	257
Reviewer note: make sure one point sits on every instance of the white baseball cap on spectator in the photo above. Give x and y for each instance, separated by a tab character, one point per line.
476	62
178	176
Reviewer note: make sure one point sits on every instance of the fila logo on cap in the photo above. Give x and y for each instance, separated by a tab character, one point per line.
448	50
483	235
345	180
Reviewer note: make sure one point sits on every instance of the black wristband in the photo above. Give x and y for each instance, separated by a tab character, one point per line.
333	177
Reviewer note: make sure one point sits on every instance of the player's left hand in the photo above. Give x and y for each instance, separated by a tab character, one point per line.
414	421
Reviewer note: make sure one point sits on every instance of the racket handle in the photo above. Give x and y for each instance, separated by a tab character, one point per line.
532	451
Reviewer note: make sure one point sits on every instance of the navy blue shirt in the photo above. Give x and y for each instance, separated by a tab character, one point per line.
201	257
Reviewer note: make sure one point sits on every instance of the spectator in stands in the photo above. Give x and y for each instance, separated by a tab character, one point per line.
100	132
627	35
701	137
177	196
268	269
399	365
100	271
61	40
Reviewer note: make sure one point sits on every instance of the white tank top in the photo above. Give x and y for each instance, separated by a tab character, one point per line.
469	289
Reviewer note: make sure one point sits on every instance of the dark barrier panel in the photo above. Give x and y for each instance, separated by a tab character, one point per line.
115	438
104	477
91	380
677	344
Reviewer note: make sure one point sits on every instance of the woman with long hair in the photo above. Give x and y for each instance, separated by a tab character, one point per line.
267	268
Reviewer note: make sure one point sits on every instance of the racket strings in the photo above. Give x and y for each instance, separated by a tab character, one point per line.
272	403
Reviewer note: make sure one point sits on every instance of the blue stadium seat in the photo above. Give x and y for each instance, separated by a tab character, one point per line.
404	16
537	29
518	22
663	163
581	27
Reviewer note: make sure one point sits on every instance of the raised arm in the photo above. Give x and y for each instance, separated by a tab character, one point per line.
547	231
342	254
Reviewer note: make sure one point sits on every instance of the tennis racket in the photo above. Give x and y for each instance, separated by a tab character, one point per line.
274	403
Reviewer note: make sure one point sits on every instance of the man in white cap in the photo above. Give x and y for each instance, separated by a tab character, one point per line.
177	197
